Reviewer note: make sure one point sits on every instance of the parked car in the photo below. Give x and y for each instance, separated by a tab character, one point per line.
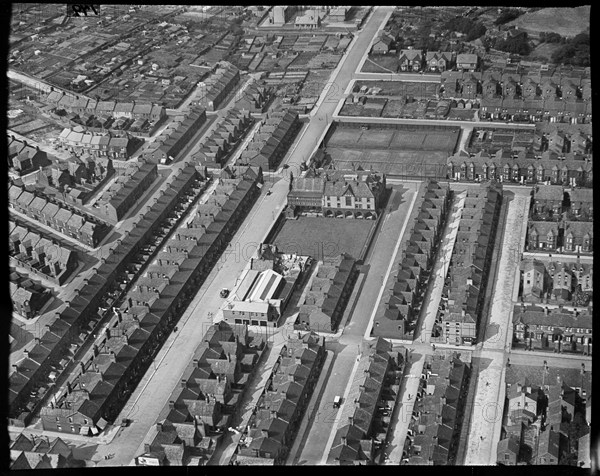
224	292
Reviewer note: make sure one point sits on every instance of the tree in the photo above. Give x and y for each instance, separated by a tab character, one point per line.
575	51
507	15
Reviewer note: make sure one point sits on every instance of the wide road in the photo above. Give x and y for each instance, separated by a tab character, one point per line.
334	91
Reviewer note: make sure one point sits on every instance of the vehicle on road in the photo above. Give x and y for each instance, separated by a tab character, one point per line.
337	401
224	292
125	422
269	192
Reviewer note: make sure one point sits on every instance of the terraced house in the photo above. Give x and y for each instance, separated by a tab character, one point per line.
200	410
216	149
267	151
438	412
525	166
401	298
120	359
273	425
40	255
219	85
57	215
564	236
171	142
99	293
364	421
541	328
330	288
27	297
470	263
115	202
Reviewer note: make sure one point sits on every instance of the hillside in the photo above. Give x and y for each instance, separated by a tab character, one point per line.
564	21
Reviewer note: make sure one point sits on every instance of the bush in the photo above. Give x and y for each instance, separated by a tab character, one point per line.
517	45
575	51
472	29
550	37
507	15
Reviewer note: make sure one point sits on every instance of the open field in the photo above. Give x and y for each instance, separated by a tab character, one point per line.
318	236
564	21
401	88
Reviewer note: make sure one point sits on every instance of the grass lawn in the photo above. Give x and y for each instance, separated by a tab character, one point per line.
317	236
381	64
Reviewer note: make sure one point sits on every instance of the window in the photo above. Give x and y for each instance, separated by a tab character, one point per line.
348	201
70	420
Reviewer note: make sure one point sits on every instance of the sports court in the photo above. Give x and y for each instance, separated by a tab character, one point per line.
403	150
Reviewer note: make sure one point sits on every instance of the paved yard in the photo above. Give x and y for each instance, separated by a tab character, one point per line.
319	236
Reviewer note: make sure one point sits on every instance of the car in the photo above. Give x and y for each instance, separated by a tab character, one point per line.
269	192
125	422
224	292
337	401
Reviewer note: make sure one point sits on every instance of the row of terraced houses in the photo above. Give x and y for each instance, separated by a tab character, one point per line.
401	298
119	360
92	303
200	410
276	418
58	215
470	263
